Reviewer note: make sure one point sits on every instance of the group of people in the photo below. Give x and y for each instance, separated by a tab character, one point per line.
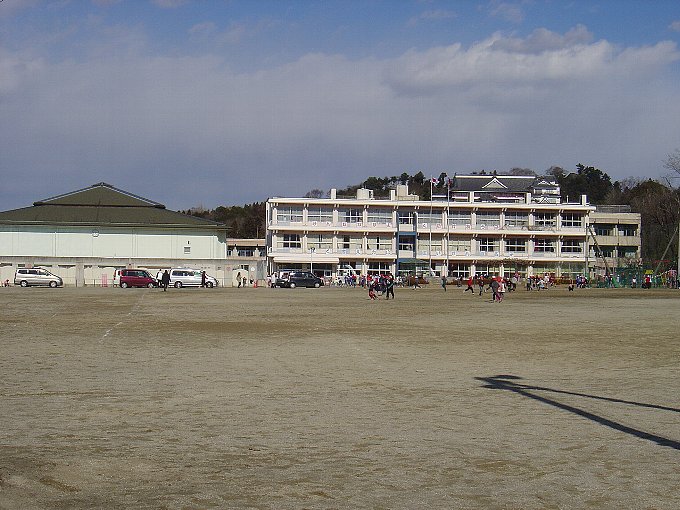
354	280
498	285
382	284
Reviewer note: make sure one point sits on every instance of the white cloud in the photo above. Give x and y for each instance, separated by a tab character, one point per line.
511	12
542	39
675	26
511	61
156	123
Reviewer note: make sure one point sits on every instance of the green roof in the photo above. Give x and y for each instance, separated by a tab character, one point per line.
103	205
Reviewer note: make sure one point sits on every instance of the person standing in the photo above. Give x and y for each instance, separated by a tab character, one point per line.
501	290
371	290
389	286
494	289
238	279
165	280
203	279
444	283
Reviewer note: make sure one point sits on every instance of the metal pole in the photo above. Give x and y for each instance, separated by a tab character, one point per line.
677	275
311	260
429	272
448	213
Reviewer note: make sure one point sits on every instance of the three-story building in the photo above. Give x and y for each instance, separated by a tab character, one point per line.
482	224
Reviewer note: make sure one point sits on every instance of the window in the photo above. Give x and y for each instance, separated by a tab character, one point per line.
572	246
572	220
542	269
460	218
187	249
319	214
351	243
516	219
381	216
434	247
628	230
319	242
353	216
487	269
488	244
459	244
291	241
379	267
459	270
604	229
605	251
379	243
515	245
406	244
405	217
433	218
488	219
628	251
289	214
544	245
545	220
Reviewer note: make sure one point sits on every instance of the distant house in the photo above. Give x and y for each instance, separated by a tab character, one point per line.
83	235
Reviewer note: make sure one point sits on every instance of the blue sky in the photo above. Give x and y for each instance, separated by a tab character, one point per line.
228	102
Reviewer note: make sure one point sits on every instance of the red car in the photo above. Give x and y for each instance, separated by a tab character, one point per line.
134	278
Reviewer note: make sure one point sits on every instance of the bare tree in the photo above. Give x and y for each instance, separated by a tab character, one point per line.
316	193
673	161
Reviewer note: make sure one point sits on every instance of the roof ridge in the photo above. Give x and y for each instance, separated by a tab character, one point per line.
55	199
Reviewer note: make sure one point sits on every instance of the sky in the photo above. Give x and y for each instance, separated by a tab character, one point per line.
201	103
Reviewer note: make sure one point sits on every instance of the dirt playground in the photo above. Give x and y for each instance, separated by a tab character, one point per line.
319	398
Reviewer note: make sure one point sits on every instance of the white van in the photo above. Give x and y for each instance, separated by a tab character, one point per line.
36	276
185	277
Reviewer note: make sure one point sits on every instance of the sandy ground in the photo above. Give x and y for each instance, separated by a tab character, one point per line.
304	398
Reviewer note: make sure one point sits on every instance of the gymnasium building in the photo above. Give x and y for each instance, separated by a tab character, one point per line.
84	235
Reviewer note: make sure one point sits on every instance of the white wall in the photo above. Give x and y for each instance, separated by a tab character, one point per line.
109	242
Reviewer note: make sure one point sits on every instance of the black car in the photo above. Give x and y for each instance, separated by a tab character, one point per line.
301	279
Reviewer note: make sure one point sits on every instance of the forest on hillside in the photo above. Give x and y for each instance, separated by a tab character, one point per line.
657	202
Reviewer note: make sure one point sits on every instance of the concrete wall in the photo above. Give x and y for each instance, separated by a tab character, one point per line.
92	271
17	241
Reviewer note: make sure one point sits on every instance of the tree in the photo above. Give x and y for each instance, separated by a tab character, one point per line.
315	193
557	172
673	161
522	171
658	208
589	181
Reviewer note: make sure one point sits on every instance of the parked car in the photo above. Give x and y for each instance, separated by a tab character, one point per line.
185	277
133	278
301	279
36	276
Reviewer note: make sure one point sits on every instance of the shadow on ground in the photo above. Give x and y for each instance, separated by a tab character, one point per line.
510	383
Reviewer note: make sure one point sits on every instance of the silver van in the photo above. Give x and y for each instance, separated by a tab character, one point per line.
35	276
185	277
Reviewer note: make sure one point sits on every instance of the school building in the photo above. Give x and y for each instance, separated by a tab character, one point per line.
479	224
